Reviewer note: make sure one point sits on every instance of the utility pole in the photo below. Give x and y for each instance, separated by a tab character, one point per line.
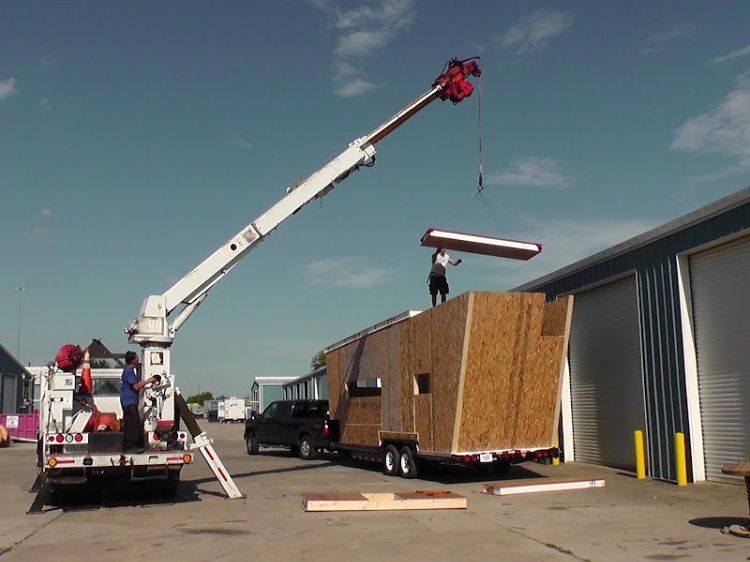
20	291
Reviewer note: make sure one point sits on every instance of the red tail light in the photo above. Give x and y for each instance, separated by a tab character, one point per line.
51	438
78	437
325	429
156	436
59	438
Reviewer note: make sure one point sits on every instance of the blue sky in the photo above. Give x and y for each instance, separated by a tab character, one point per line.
136	137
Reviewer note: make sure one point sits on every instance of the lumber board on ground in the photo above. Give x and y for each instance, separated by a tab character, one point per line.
382	501
533	485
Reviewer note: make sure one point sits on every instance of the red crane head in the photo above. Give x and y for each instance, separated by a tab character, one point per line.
453	80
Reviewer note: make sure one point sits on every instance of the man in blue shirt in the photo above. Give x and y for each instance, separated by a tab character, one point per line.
130	389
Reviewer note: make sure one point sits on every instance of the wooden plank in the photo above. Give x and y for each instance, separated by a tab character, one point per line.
566	303
534	485
387	501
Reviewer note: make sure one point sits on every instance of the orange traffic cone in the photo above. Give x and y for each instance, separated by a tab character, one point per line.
86	384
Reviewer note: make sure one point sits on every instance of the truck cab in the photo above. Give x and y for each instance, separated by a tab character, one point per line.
301	425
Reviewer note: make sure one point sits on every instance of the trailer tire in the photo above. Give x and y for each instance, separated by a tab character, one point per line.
252	444
391	458
407	464
307	450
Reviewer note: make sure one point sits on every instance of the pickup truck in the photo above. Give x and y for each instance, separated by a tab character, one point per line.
301	425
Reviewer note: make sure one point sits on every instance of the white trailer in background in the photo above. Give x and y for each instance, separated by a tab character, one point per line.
234	410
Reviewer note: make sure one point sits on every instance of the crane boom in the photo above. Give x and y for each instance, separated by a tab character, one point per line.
155	334
151	326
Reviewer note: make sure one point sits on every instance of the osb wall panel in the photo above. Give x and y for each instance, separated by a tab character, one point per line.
423	421
406	357
448	326
556	317
390	415
503	340
534	414
362	422
335	378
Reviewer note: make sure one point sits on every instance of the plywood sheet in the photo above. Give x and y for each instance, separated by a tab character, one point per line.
557	316
448	327
391	380
406	359
480	244
423	421
505	328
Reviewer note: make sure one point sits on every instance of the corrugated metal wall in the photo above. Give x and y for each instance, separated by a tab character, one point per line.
661	329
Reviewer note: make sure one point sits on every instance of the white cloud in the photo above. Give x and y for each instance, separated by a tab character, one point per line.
45	212
565	242
532	172
743	52
241	143
656	42
723	130
353	87
362	32
345	273
8	88
534	31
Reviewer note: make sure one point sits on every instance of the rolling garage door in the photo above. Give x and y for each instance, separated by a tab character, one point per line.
720	285
606	380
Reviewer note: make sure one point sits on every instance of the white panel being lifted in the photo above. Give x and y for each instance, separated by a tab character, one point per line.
478	244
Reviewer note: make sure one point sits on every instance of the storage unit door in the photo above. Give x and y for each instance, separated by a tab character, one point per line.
606	379
9	395
720	285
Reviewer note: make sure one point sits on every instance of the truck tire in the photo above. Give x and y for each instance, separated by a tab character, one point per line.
390	460
407	464
252	444
307	451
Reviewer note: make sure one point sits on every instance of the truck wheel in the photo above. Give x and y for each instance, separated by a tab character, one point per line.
252	444
307	451
390	460
407	464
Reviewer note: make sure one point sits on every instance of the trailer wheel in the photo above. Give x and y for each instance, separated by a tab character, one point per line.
252	444
307	451
407	464
390	460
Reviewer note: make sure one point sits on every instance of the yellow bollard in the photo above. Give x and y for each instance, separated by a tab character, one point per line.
679	459
556	460
640	456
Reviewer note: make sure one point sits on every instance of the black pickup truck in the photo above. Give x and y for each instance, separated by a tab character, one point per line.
301	425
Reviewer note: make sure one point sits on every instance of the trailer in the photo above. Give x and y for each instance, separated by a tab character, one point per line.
234	410
476	380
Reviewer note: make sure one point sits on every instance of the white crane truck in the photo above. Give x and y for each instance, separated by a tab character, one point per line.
71	450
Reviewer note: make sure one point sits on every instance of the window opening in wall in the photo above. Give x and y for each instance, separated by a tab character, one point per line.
364	387
422	383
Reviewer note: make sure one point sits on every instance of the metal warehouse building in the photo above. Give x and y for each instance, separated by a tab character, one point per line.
313	386
660	341
13	377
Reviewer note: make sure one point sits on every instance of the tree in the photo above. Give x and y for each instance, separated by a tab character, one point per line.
318	360
200	398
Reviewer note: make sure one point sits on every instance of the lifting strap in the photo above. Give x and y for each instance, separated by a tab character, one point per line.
479	105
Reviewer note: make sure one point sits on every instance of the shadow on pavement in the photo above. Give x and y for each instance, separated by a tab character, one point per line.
718	522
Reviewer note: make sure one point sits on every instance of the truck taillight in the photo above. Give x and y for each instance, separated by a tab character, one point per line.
325	429
78	437
59	438
156	436
51	438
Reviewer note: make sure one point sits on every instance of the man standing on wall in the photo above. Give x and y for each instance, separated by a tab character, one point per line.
437	281
130	388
